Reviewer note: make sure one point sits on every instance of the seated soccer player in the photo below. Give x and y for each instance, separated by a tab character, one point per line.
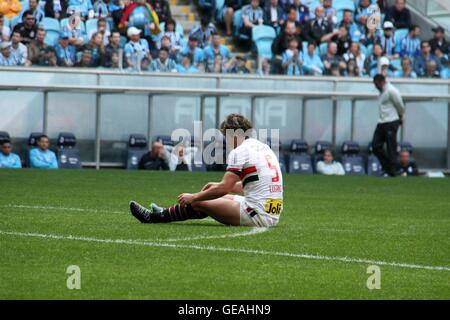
41	157
405	166
7	158
253	170
328	166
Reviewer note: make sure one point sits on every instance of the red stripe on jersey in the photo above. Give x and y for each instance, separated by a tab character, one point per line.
233	169
247	171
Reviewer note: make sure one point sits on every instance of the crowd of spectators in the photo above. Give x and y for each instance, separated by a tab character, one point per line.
312	38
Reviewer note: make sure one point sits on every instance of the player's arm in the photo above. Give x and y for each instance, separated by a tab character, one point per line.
215	191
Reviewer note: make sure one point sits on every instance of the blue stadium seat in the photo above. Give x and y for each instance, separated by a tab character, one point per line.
137	147
341	5
364	49
312	8
91	24
220	4
263	37
123	41
51	38
323	48
352	161
165	140
68	154
397	64
50	24
299	159
373	164
14	21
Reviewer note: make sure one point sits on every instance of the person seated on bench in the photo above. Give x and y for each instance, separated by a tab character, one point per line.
328	166
41	157
156	159
406	167
7	158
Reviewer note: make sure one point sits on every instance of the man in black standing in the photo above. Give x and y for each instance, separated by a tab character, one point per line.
392	110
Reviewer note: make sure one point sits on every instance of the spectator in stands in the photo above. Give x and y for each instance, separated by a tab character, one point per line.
385	68
146	65
136	49
343	40
329	166
352	69
33	7
75	32
173	35
27	28
102	27
406	167
231	6
363	12
163	63
355	54
352	27
162	9
7	158
18	50
112	49
292	59
167	43
281	42
215	49
10	8
5	31
97	49
410	45
371	67
37	48
237	65
387	41
383	5
155	159
274	14
331	61
407	70
330	12
6	59
319	29
85	60
186	65
432	70
439	42
180	159
421	61
252	15
203	32
399	15
312	64
302	11
49	59
41	157
192	49
65	52
83	7
56	9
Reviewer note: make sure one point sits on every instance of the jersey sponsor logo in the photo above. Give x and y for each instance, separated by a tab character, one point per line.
276	188
274	206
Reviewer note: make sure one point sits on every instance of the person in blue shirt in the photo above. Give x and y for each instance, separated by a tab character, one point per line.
252	15
215	49
292	59
203	32
41	157
312	64
7	158
65	52
353	29
420	62
198	56
410	45
84	7
186	65
407	70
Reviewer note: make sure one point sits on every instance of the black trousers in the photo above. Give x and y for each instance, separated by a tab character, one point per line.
386	133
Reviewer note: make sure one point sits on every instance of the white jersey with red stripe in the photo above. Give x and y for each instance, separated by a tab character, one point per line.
259	170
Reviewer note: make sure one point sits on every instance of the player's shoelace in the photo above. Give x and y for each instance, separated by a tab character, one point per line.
140	213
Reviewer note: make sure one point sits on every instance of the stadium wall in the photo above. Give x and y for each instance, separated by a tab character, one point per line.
121	112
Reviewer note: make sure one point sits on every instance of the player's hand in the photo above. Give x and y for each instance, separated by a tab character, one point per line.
208	185
185	198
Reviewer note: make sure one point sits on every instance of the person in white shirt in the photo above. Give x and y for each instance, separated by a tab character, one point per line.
18	50
253	170
180	159
391	113
330	167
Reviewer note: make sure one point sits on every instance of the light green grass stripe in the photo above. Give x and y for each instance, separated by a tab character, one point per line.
224	249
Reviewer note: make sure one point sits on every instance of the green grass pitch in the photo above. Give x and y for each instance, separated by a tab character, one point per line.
331	231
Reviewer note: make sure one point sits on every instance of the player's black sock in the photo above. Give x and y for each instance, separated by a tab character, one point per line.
177	213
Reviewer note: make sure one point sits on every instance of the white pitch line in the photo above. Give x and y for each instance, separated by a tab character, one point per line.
20	206
221	236
224	249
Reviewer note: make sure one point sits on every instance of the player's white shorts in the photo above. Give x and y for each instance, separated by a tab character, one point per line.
260	219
